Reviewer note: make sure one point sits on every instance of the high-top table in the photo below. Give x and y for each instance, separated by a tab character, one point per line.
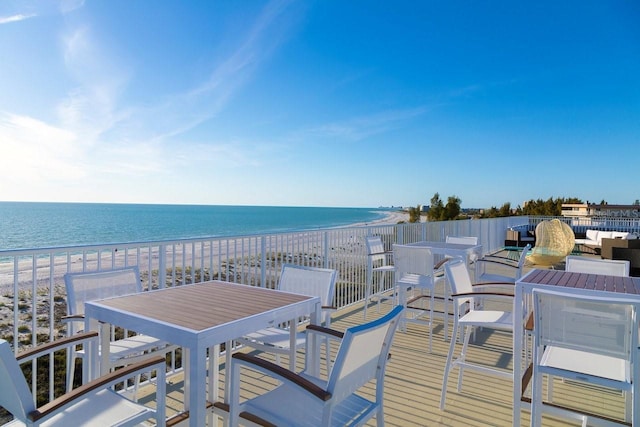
451	249
461	250
198	317
579	283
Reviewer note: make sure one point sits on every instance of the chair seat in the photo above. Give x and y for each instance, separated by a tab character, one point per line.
384	268
103	408
308	413
587	363
488	318
132	346
417	280
110	410
273	337
486	277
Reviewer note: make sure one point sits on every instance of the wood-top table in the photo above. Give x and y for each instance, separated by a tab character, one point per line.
563	281
198	317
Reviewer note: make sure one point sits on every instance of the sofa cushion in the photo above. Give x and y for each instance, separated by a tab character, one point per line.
592	235
620	235
604	235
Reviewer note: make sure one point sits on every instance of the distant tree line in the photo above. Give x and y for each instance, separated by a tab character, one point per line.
549	207
439	211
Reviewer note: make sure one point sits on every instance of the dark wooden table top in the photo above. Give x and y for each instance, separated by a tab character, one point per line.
596	282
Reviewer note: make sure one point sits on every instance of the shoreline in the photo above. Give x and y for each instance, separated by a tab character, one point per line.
23	269
391	218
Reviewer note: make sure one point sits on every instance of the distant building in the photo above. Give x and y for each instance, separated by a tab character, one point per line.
586	210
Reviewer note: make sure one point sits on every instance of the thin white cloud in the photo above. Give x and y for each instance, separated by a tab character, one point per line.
362	127
15	18
67	6
33	151
96	136
90	109
185	111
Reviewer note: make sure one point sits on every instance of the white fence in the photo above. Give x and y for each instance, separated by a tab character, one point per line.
32	294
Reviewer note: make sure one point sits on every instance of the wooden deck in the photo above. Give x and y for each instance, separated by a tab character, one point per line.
414	381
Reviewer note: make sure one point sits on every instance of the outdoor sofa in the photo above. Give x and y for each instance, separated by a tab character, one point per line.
594	237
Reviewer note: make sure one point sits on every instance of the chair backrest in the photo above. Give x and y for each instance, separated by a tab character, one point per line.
376	251
89	286
363	355
15	395
457	275
580	264
312	281
593	324
463	240
523	259
412	260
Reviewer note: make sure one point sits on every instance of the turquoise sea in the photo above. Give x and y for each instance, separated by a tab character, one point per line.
39	225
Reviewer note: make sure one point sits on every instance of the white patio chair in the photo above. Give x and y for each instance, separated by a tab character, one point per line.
312	281
415	273
586	339
379	263
305	400
611	267
93	403
89	286
516	269
469	316
463	240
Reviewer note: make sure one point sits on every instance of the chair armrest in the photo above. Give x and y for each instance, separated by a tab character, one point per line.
504	263
72	318
506	286
53	346
331	333
481	294
381	253
441	263
281	373
101	383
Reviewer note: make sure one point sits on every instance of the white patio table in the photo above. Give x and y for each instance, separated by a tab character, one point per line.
579	283
199	317
453	250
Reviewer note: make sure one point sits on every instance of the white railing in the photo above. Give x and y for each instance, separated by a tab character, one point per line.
580	225
33	297
32	280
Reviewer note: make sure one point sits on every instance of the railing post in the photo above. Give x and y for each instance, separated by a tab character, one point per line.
263	262
162	267
325	261
401	234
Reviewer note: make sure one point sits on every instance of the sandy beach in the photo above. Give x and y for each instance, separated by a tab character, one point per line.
24	267
392	217
50	268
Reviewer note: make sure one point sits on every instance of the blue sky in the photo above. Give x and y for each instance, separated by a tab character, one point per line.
319	103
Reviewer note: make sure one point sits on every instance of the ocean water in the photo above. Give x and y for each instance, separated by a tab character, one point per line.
39	225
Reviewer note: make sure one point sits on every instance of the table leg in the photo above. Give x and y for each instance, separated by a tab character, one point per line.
227	370
313	345
91	366
197	388
105	343
214	379
293	331
518	334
